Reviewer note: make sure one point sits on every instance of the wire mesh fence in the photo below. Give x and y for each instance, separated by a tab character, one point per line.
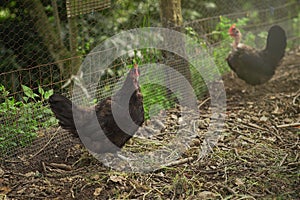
43	43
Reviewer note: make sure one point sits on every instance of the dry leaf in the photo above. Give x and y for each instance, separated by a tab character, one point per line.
263	119
207	195
95	177
21	191
29	174
238	182
4	190
97	191
117	179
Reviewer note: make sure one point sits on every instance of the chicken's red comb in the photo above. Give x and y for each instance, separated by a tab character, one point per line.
231	27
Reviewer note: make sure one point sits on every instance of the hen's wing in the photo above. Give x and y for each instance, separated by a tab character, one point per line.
250	65
119	122
85	122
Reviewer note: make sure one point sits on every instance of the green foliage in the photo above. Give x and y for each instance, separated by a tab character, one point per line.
20	121
221	35
192	34
156	98
221	30
295	31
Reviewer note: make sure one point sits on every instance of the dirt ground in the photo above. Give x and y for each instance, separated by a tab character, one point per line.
257	156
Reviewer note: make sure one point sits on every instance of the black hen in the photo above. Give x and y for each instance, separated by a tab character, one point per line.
256	66
119	116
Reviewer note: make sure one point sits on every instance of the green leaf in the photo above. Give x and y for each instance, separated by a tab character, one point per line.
28	92
48	94
41	91
25	99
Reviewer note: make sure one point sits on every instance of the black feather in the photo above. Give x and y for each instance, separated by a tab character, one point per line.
258	66
97	126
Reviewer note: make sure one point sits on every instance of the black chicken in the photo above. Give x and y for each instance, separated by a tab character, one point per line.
119	116
256	66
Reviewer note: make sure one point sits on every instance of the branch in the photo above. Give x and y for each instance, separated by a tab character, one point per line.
288	125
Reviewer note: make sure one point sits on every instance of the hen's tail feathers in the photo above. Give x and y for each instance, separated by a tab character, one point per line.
62	108
276	43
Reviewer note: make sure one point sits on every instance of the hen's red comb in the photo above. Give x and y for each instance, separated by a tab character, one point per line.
230	29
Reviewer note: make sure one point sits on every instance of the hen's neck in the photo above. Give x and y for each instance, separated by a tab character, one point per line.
126	91
236	41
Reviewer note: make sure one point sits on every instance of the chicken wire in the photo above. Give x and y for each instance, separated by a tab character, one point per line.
37	67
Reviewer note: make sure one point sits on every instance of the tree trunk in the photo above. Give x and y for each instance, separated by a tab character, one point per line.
170	13
51	37
73	32
171	17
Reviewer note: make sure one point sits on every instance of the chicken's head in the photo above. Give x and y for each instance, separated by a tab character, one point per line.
135	71
236	35
135	74
234	32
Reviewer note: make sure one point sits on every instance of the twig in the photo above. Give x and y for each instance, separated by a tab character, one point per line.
61	166
145	194
238	156
72	191
254	126
295	98
194	125
288	125
227	188
203	102
296	143
178	162
44	167
277	133
46	143
283	160
225	174
294	164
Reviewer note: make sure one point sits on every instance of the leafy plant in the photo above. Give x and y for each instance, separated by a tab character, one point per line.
221	35
156	98
21	120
